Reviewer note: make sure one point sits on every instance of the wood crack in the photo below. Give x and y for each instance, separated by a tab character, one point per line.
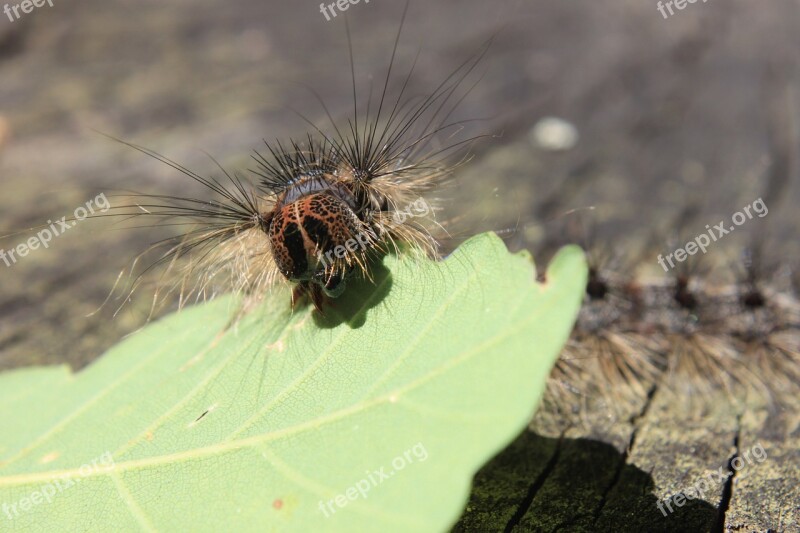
727	491
624	459
534	488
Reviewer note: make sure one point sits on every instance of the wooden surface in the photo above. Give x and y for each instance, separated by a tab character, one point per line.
682	122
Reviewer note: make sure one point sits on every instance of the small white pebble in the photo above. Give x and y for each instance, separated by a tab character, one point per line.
554	134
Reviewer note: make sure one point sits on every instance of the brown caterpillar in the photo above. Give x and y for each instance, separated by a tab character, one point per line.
321	208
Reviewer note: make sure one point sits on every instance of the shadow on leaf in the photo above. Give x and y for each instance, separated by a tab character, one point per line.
359	297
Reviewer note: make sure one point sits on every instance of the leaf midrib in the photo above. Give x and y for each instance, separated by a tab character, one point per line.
220	448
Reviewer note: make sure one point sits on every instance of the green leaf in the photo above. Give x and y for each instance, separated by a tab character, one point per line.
376	415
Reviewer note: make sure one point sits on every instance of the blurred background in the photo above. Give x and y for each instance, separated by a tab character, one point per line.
664	125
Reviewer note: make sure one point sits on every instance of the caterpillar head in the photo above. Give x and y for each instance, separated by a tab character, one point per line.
319	239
